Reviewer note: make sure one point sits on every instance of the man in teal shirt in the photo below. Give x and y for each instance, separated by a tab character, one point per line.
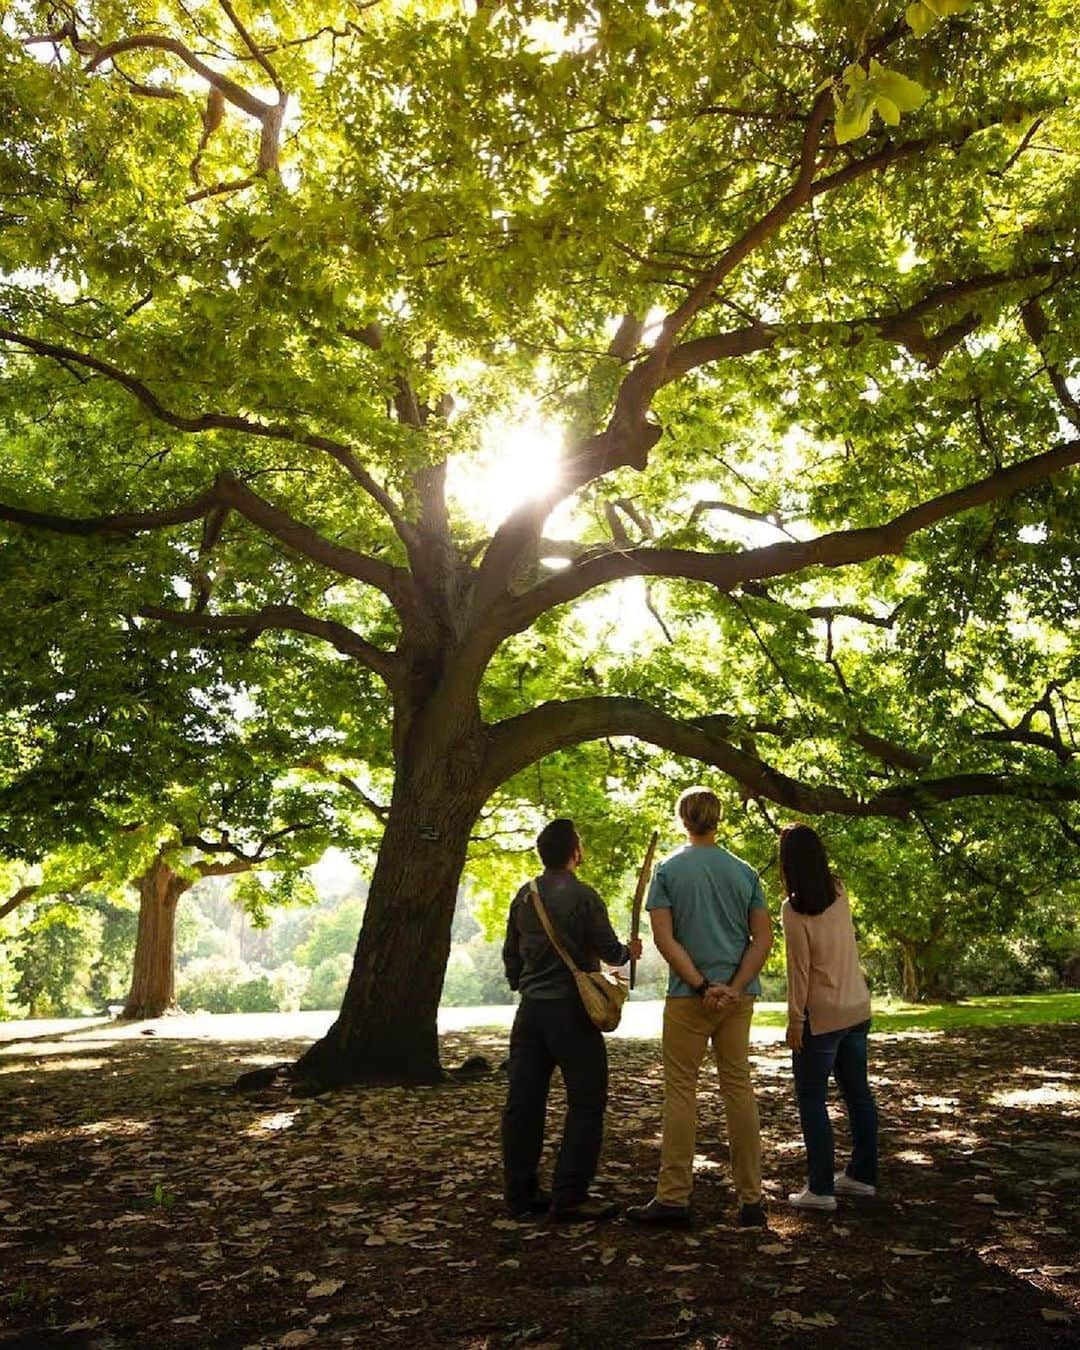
711	925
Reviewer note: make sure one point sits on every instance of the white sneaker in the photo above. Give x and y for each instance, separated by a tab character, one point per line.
806	1199
846	1185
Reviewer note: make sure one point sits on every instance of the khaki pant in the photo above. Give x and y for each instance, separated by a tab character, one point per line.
688	1029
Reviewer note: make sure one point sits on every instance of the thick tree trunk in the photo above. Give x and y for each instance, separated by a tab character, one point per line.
386	1029
153	981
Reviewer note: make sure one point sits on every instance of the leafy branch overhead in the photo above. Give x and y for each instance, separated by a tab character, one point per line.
870	88
221	89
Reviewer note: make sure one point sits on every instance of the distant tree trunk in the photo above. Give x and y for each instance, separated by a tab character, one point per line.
936	981
153	981
924	971
386	1029
912	990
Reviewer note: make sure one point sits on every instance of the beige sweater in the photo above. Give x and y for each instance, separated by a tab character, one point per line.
824	979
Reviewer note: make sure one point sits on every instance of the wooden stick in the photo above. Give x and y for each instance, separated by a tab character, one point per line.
639	896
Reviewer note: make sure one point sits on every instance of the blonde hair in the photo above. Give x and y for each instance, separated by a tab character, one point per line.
699	810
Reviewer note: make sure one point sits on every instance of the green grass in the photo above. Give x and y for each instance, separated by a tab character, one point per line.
1001	1011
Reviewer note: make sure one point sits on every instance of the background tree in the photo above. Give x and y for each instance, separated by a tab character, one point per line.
131	767
803	324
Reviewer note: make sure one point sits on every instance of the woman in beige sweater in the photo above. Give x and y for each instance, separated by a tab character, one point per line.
828	1020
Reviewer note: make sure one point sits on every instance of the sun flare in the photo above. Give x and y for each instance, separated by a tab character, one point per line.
518	461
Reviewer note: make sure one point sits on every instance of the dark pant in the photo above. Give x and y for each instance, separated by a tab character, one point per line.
843	1054
550	1033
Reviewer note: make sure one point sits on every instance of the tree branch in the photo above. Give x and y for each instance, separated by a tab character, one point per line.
1037	327
381	813
520	741
309	542
227	492
270	116
220	189
21	895
213	526
27	892
628	436
256	51
826	612
211	421
287	618
236	94
1022	733
726	571
903	327
223	869
122	522
770	518
1040	739
243	862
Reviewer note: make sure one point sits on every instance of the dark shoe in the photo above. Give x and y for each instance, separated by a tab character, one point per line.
753	1216
590	1210
656	1212
524	1209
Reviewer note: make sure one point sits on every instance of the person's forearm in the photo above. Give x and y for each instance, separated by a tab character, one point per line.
681	962
613	952
797	990
755	956
605	944
797	962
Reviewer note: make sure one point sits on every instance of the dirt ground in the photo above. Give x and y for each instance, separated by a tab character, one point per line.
142	1204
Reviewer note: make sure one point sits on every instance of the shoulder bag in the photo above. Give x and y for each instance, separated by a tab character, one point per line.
602	994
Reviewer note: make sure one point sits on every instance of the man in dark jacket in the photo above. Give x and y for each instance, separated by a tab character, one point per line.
553	1029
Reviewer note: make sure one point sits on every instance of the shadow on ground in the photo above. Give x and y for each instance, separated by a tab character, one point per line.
143	1204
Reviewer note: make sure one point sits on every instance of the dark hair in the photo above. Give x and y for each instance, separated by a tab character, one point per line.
557	842
805	870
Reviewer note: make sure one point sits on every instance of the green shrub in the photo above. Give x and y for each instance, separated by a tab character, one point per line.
332	934
11	1004
210	984
220	984
255	995
288	985
326	988
462	986
58	950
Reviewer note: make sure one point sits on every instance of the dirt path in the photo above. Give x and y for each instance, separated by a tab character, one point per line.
141	1206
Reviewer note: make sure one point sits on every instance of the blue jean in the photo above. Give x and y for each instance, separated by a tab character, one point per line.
843	1054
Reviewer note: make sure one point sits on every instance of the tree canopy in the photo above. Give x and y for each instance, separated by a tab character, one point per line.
418	344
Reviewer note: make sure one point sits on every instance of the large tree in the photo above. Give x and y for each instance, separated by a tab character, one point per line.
280	285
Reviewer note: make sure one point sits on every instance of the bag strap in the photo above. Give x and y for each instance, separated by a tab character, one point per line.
534	891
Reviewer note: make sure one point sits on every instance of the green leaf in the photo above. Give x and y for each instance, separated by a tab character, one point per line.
922	15
906	94
853	118
879	90
945	8
890	113
920	18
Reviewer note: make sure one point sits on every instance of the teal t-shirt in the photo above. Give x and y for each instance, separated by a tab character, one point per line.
710	893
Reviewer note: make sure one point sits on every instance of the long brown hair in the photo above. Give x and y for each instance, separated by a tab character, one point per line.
804	867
